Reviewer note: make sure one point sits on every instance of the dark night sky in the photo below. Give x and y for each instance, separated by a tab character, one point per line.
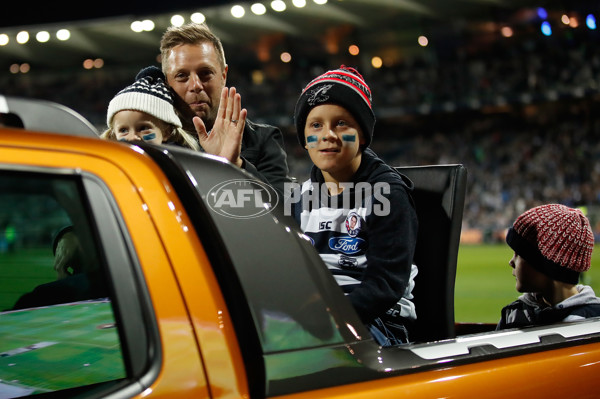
37	12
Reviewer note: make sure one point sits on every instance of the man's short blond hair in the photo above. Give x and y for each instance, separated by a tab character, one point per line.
191	33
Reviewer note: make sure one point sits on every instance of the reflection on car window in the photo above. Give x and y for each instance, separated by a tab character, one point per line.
57	325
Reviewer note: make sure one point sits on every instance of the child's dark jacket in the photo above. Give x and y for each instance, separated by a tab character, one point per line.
531	310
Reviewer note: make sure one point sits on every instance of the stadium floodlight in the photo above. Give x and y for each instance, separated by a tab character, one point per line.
285	57
177	20
148	25
376	62
42	36
278	5
542	13
22	37
238	11
590	21
506	31
198	17
63	34
258	8
136	26
299	3
546	28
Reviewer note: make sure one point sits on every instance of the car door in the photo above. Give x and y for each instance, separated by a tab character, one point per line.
114	198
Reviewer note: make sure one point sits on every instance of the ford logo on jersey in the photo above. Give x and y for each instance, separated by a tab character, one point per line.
346	245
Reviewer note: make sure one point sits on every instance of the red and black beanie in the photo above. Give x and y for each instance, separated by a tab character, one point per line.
344	86
554	239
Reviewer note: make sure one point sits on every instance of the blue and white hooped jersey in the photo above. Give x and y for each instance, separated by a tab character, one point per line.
340	237
366	235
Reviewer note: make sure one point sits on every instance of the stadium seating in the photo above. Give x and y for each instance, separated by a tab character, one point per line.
439	196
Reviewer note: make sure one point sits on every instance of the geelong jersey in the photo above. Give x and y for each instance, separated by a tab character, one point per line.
366	235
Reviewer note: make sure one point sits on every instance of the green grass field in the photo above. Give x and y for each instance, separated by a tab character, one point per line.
58	347
484	283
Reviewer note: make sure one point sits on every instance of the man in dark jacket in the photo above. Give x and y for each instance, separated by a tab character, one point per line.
193	61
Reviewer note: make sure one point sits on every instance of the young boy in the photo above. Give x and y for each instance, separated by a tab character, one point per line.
552	245
356	210
145	111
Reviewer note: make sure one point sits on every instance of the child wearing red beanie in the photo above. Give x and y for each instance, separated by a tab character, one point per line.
552	245
356	210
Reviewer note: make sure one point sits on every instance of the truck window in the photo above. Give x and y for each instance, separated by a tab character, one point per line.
57	324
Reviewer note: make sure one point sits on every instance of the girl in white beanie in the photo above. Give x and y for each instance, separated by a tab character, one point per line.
145	111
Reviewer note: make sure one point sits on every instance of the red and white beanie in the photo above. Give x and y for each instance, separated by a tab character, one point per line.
555	239
344	86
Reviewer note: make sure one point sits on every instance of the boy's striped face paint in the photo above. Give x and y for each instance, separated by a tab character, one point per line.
348	138
149	136
312	140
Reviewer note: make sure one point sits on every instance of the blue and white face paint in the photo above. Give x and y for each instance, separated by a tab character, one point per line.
348	139
130	125
333	138
145	137
312	141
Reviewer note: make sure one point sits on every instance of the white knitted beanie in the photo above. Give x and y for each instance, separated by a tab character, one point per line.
149	94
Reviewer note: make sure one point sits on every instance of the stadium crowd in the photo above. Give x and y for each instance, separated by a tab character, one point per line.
521	115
